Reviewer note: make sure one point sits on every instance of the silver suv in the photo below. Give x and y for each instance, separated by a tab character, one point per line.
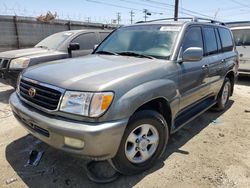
141	84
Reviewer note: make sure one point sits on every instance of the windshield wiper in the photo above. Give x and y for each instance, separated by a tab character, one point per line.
128	53
106	52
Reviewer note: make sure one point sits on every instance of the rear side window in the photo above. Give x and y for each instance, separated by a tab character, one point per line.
193	38
242	37
210	41
218	40
87	41
226	39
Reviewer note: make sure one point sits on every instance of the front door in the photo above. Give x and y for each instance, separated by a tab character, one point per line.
193	75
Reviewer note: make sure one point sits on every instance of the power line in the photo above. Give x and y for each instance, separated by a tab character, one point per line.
119	6
183	9
144	4
241	4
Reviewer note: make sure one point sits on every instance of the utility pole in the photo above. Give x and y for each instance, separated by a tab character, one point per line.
146	14
118	18
132	14
176	10
88	19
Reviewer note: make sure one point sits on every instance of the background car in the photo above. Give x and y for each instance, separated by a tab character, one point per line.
60	45
241	33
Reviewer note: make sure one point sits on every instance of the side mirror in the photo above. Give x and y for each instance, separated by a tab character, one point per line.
73	46
192	54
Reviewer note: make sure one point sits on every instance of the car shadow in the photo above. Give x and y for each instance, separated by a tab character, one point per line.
5	95
243	80
5	92
59	169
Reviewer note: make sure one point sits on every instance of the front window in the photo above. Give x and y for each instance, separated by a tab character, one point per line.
146	40
54	41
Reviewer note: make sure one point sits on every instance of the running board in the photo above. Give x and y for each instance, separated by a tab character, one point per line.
191	113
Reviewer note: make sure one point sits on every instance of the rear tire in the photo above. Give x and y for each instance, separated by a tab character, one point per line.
143	142
223	95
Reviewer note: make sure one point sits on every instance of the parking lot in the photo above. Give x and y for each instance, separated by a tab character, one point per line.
211	151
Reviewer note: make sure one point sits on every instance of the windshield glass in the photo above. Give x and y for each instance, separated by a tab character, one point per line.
148	40
241	37
54	41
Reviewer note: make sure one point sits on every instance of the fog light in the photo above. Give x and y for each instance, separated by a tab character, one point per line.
73	142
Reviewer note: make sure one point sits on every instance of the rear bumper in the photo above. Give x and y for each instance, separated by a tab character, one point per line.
101	140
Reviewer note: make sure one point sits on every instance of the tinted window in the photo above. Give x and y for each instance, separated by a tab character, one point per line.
87	41
193	38
103	36
242	37
226	39
210	41
218	40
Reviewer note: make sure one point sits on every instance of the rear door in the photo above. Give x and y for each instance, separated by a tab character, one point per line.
87	42
215	61
242	42
193	75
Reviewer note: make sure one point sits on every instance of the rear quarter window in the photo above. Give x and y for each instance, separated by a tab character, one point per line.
226	39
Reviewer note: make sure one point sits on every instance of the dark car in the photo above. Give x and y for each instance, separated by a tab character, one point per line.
60	45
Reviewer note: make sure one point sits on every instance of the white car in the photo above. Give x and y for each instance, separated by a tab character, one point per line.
242	40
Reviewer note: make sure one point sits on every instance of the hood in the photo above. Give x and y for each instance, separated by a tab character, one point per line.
93	72
23	53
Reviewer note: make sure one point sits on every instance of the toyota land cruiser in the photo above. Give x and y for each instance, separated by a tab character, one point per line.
141	84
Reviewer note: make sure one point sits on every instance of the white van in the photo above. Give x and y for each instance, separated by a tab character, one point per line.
242	40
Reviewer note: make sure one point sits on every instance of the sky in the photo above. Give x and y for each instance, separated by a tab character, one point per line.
105	11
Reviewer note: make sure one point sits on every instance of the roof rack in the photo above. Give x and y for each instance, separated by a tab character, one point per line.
194	19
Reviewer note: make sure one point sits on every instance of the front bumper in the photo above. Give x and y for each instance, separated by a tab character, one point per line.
244	72
101	140
10	76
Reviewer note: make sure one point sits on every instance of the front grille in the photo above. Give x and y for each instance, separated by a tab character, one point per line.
45	97
1	63
5	63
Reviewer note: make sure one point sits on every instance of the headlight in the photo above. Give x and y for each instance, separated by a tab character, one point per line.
19	63
86	103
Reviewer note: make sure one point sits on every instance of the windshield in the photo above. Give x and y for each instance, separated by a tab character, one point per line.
147	40
241	37
54	41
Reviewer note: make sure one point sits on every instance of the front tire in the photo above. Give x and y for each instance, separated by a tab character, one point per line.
143	142
223	96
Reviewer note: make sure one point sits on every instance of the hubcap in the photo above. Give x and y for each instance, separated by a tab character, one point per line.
141	143
225	93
